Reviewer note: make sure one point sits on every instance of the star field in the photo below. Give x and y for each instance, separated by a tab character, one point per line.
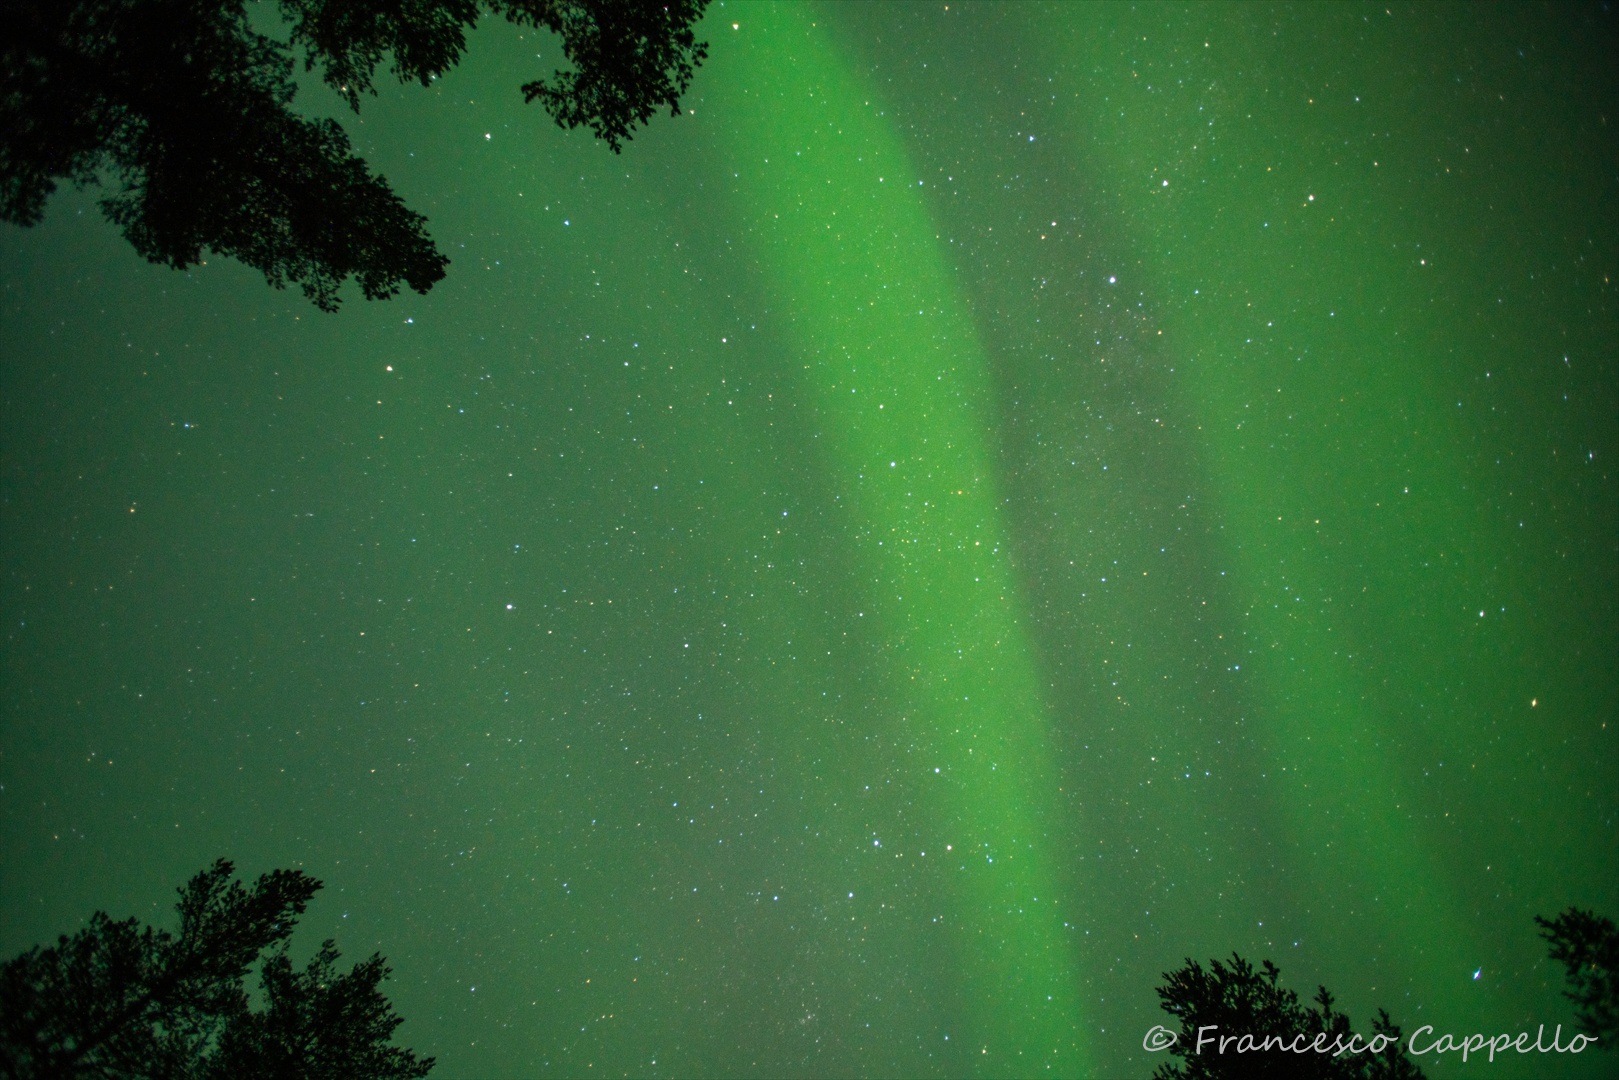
992	502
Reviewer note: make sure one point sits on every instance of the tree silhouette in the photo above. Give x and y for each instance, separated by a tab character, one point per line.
187	110
121	1000
1232	1002
1588	947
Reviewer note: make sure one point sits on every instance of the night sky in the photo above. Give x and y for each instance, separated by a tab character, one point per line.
991	503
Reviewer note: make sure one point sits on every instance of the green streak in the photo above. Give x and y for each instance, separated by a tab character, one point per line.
1317	426
890	362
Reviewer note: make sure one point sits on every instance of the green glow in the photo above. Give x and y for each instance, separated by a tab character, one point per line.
1323	488
595	624
898	382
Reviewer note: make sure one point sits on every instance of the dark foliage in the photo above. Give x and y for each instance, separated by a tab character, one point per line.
630	59
186	110
1588	947
121	1000
1238	1001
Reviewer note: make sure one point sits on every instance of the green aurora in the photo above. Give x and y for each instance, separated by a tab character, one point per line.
995	501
